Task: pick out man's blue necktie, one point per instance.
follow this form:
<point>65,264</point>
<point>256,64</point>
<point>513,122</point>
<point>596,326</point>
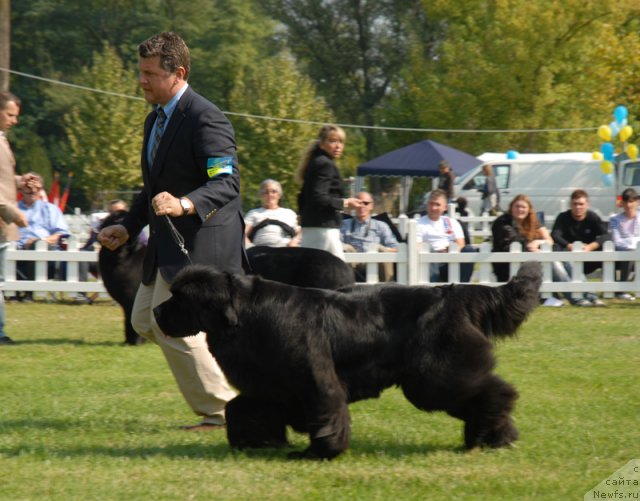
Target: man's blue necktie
<point>157,135</point>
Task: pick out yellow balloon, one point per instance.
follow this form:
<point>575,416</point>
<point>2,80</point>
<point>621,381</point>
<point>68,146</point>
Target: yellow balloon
<point>606,167</point>
<point>596,155</point>
<point>625,133</point>
<point>604,131</point>
<point>632,151</point>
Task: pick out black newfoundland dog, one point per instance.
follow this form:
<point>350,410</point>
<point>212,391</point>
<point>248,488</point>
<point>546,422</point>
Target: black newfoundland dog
<point>121,272</point>
<point>299,356</point>
<point>300,266</point>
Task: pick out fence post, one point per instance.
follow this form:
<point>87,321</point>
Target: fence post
<point>413,247</point>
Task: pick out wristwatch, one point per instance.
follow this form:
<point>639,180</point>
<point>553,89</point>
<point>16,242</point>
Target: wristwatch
<point>186,206</point>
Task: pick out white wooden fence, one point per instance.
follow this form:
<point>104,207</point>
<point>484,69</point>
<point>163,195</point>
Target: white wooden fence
<point>412,266</point>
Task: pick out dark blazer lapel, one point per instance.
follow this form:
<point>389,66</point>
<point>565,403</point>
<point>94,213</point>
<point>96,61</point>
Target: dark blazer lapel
<point>148,124</point>
<point>172,129</point>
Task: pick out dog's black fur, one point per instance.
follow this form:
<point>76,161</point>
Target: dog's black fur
<point>121,272</point>
<point>300,266</point>
<point>300,356</point>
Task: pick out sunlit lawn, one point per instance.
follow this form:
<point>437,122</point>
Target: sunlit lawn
<point>84,418</point>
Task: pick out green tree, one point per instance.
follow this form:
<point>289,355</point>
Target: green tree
<point>353,51</point>
<point>273,149</point>
<point>236,36</point>
<point>517,65</point>
<point>105,131</point>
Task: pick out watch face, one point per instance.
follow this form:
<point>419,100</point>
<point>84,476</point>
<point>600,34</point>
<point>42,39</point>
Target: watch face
<point>185,205</point>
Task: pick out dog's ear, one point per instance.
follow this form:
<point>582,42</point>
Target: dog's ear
<point>229,309</point>
<point>231,315</point>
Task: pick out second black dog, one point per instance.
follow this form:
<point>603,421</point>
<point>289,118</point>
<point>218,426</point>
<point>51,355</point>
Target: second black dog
<point>121,272</point>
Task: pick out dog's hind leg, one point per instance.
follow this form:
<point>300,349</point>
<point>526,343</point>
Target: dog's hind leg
<point>487,415</point>
<point>253,423</point>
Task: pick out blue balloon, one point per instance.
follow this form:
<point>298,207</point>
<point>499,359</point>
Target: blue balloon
<point>615,128</point>
<point>620,113</point>
<point>608,151</point>
<point>512,154</point>
<point>608,179</point>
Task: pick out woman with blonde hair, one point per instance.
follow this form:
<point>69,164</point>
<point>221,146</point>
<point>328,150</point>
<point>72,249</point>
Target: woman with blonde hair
<point>322,198</point>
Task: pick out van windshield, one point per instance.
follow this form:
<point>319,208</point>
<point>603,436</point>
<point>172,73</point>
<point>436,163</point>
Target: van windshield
<point>463,178</point>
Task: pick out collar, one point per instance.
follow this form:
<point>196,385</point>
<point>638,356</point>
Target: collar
<point>170,107</point>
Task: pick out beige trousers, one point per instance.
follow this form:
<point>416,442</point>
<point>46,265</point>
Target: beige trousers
<point>197,373</point>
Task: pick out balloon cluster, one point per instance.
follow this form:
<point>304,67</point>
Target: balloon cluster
<point>618,127</point>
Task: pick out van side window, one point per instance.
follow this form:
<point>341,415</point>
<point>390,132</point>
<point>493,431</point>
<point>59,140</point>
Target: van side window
<point>631,175</point>
<point>501,172</point>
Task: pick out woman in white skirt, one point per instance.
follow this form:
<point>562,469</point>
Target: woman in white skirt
<point>322,198</point>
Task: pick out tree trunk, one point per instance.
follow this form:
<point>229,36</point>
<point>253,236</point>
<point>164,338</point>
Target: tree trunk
<point>5,43</point>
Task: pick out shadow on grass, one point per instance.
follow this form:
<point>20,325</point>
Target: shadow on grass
<point>206,449</point>
<point>73,342</point>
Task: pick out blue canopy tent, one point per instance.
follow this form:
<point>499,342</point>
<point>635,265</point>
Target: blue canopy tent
<point>417,160</point>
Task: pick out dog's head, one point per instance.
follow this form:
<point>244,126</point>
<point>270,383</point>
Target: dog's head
<point>202,300</point>
<point>115,217</point>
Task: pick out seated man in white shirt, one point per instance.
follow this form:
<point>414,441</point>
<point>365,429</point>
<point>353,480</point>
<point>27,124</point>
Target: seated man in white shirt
<point>439,231</point>
<point>362,233</point>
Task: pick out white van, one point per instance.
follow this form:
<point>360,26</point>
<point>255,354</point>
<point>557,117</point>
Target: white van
<point>548,179</point>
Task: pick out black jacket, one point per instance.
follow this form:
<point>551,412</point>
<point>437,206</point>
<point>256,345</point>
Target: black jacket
<point>321,198</point>
<point>567,230</point>
<point>196,137</point>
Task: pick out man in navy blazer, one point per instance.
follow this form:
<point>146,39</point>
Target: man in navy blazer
<point>191,182</point>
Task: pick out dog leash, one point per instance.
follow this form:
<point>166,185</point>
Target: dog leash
<point>177,237</point>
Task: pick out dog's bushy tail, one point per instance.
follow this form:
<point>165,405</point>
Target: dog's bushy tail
<point>499,311</point>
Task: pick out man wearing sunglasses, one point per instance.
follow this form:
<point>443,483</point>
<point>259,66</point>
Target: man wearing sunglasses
<point>363,233</point>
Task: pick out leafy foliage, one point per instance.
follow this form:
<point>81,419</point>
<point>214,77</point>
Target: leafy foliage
<point>269,149</point>
<point>352,51</point>
<point>105,132</point>
<point>497,69</point>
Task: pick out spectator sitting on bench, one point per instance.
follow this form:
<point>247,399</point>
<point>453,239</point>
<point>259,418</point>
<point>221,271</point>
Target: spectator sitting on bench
<point>439,232</point>
<point>363,233</point>
<point>45,222</point>
<point>271,225</point>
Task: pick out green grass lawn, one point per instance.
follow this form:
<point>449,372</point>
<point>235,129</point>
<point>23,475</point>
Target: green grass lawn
<point>84,418</point>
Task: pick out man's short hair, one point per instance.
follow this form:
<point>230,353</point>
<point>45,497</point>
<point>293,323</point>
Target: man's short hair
<point>8,97</point>
<point>579,194</point>
<point>170,48</point>
<point>629,195</point>
<point>437,193</point>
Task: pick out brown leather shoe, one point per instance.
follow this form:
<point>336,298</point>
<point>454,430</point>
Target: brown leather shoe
<point>203,427</point>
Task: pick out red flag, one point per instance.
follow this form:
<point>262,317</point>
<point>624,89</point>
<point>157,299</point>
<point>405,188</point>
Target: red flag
<point>65,195</point>
<point>54,192</point>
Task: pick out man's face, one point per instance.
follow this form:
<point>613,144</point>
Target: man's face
<point>630,207</point>
<point>364,211</point>
<point>158,85</point>
<point>30,193</point>
<point>436,207</point>
<point>579,207</point>
<point>9,116</point>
